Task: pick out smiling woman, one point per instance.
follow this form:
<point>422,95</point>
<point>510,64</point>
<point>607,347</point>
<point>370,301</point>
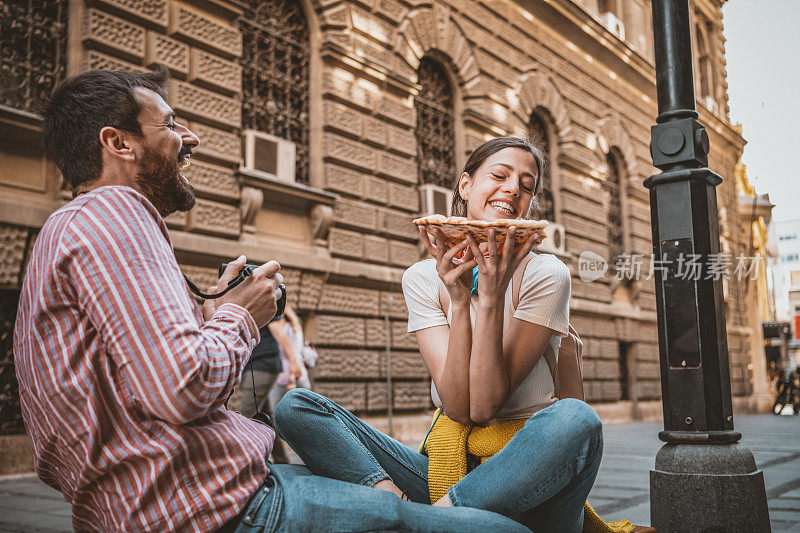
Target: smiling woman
<point>483,351</point>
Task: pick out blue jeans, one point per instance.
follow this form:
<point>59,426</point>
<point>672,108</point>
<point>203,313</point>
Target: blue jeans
<point>293,499</point>
<point>541,478</point>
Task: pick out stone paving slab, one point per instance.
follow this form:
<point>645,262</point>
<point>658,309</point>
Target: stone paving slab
<point>621,490</point>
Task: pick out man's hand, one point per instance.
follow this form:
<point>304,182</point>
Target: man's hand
<point>258,293</point>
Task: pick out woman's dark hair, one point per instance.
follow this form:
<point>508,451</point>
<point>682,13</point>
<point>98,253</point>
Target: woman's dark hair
<point>82,105</point>
<point>458,206</point>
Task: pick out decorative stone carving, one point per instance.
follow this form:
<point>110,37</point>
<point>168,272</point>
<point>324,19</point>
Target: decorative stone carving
<point>404,197</point>
<point>343,180</point>
<point>612,133</point>
<point>349,300</point>
<point>195,27</point>
<point>213,70</point>
<point>291,278</point>
<point>213,180</point>
<point>96,61</point>
<point>397,224</point>
<point>391,9</point>
<point>346,243</point>
<point>348,151</point>
<point>167,51</point>
<point>153,11</point>
<point>340,331</point>
<point>376,249</point>
<point>533,89</point>
<point>311,284</point>
<point>113,32</point>
<point>176,220</point>
<point>355,214</point>
<point>402,140</point>
<point>377,189</point>
<point>217,144</point>
<point>423,30</point>
<point>336,362</point>
<point>201,276</point>
<point>396,110</point>
<point>405,365</point>
<point>186,99</point>
<point>12,251</point>
<point>351,396</point>
<point>412,395</point>
<point>252,200</point>
<point>395,303</point>
<point>215,218</point>
<point>335,84</point>
<point>321,219</point>
<point>343,118</point>
<point>371,25</point>
<point>401,168</point>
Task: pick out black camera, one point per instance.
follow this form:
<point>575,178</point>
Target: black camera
<point>244,273</point>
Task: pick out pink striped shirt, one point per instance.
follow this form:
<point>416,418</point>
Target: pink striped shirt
<point>123,385</point>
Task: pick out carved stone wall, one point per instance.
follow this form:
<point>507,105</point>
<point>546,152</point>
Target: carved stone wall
<point>503,63</point>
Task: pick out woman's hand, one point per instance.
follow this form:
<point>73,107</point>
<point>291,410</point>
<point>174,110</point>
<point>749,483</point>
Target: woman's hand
<point>495,270</point>
<point>451,275</point>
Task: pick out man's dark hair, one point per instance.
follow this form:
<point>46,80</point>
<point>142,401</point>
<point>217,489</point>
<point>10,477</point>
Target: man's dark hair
<point>82,105</point>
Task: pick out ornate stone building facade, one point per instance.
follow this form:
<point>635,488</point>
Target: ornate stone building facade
<point>379,97</point>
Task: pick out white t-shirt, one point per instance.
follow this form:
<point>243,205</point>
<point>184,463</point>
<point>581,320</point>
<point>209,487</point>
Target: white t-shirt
<point>543,299</point>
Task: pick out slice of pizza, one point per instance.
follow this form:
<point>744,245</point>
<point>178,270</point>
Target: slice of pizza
<point>455,229</point>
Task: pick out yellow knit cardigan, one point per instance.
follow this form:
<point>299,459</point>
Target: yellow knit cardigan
<point>448,443</point>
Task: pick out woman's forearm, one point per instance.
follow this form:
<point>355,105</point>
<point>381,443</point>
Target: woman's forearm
<point>453,387</point>
<point>488,378</point>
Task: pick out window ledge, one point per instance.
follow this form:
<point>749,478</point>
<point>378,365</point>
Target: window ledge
<point>286,192</point>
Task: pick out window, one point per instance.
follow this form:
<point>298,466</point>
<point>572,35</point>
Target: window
<point>607,6</point>
<point>275,74</point>
<point>538,134</point>
<point>612,187</point>
<point>705,66</point>
<point>10,413</point>
<point>435,130</point>
<point>33,43</point>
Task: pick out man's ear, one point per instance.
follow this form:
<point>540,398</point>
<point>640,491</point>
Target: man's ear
<point>116,143</point>
<point>464,184</point>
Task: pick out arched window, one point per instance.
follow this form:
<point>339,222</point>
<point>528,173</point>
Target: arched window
<point>435,125</point>
<point>704,64</point>
<point>612,187</point>
<point>275,74</point>
<point>33,48</point>
<point>538,133</point>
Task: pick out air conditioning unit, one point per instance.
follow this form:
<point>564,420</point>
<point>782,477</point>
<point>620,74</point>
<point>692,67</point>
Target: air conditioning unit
<point>269,155</point>
<point>613,24</point>
<point>434,199</point>
<point>554,243</point>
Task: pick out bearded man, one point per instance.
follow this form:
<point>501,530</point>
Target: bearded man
<point>123,380</point>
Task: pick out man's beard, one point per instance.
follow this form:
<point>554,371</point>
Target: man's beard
<point>161,182</point>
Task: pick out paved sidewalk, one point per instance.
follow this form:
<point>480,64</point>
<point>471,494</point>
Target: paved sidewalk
<point>621,490</point>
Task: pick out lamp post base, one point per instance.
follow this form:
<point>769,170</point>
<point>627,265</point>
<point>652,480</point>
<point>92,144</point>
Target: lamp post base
<point>707,487</point>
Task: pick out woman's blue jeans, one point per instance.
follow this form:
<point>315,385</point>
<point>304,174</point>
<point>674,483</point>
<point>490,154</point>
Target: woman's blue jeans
<point>540,479</point>
<point>295,500</point>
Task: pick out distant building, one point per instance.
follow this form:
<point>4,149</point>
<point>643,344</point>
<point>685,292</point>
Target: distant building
<point>326,127</point>
<point>787,269</point>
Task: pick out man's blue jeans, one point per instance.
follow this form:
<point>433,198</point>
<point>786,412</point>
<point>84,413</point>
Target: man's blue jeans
<point>293,499</point>
<point>541,478</point>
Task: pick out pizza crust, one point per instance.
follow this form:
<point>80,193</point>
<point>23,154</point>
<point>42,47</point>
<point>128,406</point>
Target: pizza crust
<point>455,229</point>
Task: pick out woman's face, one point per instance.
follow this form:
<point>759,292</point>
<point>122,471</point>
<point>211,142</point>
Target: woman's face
<point>502,187</point>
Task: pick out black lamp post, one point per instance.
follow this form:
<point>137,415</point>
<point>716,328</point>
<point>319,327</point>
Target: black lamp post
<point>703,480</point>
